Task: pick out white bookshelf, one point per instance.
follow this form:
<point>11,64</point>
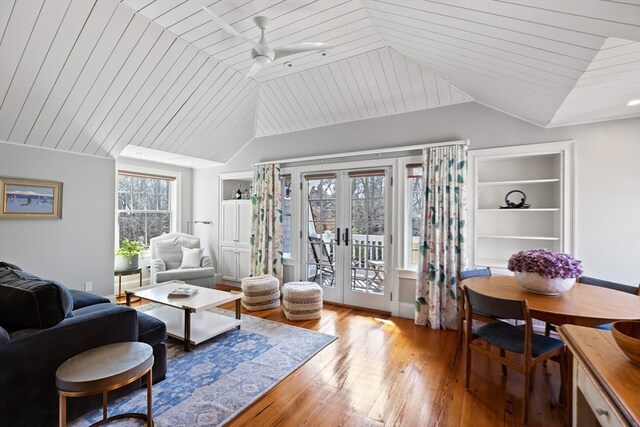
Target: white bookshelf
<point>543,173</point>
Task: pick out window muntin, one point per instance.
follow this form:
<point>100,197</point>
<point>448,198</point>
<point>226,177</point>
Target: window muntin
<point>144,206</point>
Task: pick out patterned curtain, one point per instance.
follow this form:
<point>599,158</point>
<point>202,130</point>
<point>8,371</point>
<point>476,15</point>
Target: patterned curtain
<point>266,222</point>
<point>443,251</point>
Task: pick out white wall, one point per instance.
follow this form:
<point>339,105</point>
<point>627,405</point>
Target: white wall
<point>79,247</point>
<point>607,198</point>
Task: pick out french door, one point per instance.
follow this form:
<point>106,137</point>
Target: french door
<point>345,234</point>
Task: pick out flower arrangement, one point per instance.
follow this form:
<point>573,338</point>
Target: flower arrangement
<point>546,263</point>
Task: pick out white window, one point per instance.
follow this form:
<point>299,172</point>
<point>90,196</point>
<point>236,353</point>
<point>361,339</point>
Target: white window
<point>414,198</point>
<point>146,206</point>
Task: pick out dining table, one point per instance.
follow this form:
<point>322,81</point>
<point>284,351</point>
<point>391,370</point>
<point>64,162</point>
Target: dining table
<point>583,305</point>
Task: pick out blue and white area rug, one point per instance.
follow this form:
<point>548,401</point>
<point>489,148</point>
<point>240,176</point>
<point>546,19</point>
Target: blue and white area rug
<point>222,376</point>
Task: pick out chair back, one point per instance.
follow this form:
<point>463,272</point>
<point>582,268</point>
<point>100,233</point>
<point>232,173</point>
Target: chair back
<point>320,252</point>
<point>168,248</point>
<point>606,284</point>
<point>496,307</point>
<point>479,272</point>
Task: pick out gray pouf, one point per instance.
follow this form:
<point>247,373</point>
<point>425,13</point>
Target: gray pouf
<point>260,292</point>
<point>302,300</point>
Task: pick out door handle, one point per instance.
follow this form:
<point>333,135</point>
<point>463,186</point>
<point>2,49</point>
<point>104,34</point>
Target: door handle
<point>338,236</point>
<point>346,237</point>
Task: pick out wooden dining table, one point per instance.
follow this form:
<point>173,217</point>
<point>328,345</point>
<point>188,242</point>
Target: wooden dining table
<point>583,305</point>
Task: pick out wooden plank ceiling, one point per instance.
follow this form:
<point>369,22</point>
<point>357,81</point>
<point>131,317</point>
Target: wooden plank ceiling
<point>92,77</point>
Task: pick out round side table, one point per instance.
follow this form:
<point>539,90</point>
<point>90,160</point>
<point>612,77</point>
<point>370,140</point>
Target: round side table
<point>102,369</point>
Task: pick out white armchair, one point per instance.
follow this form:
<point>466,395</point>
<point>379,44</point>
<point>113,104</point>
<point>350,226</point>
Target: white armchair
<point>168,262</point>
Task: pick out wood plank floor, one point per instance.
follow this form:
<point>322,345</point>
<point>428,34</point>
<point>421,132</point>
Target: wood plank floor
<point>385,371</point>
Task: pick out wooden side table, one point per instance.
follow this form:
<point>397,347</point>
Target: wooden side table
<point>103,369</point>
<point>120,273</point>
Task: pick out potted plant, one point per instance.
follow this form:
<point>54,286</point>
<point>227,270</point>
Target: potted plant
<point>545,272</point>
<point>127,255</point>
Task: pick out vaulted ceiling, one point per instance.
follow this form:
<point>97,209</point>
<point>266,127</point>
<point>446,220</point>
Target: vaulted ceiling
<point>96,76</point>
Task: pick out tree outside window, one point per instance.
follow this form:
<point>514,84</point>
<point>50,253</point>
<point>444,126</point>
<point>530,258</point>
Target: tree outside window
<point>144,207</point>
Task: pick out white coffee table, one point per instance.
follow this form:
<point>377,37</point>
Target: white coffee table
<point>186,317</point>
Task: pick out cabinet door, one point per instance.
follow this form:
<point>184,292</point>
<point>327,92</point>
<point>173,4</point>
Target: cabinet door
<point>243,216</point>
<point>228,263</point>
<point>243,260</point>
<point>229,228</point>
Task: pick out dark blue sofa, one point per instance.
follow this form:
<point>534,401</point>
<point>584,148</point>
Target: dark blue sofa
<point>40,329</point>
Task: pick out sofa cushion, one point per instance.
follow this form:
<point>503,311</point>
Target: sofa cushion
<point>170,250</point>
<point>4,264</point>
<point>151,330</point>
<point>83,299</point>
<point>33,303</point>
<point>4,336</point>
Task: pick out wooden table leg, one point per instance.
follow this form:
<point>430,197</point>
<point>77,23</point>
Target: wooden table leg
<point>149,400</point>
<point>63,411</point>
<point>105,400</point>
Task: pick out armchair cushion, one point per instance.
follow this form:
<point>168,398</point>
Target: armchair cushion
<point>191,257</point>
<point>170,250</point>
<point>188,275</point>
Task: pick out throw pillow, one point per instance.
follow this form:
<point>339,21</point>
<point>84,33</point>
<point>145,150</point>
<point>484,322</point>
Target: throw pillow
<point>191,257</point>
<point>33,303</point>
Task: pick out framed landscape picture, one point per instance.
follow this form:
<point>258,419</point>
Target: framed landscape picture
<point>32,199</point>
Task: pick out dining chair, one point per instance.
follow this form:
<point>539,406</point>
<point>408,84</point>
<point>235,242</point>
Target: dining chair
<point>467,274</point>
<point>610,285</point>
<point>506,337</point>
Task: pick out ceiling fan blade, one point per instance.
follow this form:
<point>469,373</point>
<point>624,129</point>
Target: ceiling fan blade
<point>254,70</point>
<point>291,49</point>
<point>220,23</point>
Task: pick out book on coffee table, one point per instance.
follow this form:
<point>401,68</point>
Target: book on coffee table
<point>182,292</point>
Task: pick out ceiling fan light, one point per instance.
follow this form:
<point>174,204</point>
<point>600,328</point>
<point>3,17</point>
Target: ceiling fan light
<point>633,102</point>
<point>261,59</point>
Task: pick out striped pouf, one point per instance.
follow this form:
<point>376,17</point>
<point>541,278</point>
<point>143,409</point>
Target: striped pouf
<point>302,300</point>
<point>260,292</point>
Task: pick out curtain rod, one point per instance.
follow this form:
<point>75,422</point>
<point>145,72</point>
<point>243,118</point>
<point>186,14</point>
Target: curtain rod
<point>364,153</point>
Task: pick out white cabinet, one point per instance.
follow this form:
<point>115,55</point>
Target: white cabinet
<point>543,173</point>
<point>235,239</point>
<point>234,263</point>
<point>236,222</point>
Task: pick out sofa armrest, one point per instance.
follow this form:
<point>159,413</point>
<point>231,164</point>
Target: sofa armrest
<point>206,261</point>
<point>157,266</point>
<point>29,362</point>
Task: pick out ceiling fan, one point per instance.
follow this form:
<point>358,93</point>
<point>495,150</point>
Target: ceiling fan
<point>262,53</point>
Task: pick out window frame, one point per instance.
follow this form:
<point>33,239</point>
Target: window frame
<point>174,195</point>
<point>407,194</point>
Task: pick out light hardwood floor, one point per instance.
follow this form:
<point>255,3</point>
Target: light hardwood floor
<point>385,371</point>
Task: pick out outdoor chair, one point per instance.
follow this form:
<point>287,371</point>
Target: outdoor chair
<point>534,348</point>
<point>323,259</point>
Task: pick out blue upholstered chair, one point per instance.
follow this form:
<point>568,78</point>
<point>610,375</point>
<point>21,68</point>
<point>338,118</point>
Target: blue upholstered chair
<point>467,274</point>
<point>508,338</point>
<point>635,290</point>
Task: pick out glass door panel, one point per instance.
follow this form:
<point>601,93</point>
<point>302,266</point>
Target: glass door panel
<point>346,237</point>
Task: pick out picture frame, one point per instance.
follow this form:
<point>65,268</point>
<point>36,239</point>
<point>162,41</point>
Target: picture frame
<point>30,199</point>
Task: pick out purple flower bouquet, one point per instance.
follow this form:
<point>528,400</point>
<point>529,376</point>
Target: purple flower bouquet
<point>544,271</point>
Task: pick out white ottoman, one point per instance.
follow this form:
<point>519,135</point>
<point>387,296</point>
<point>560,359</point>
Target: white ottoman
<point>302,300</point>
<point>260,292</point>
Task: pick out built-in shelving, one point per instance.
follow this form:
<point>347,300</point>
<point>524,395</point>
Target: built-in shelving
<point>542,173</point>
<point>518,182</point>
<point>518,237</point>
